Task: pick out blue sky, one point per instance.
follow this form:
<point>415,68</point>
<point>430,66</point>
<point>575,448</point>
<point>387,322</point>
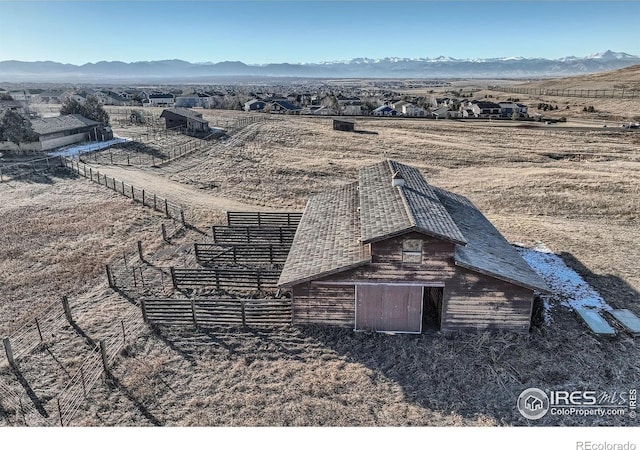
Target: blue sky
<point>263,31</point>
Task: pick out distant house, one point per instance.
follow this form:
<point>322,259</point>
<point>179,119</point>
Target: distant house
<point>187,101</point>
<point>12,105</point>
<point>21,96</point>
<point>507,109</point>
<point>486,109</point>
<point>186,120</point>
<point>392,253</point>
<point>398,105</point>
<point>160,100</point>
<point>411,110</point>
<point>355,109</point>
<point>385,110</point>
<point>54,132</point>
<point>319,110</point>
<point>254,105</point>
<point>284,107</point>
<point>445,113</point>
<point>343,125</point>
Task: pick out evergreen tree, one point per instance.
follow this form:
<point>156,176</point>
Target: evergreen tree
<point>91,109</point>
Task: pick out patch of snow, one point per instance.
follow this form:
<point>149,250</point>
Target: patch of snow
<point>565,283</point>
<point>74,150</point>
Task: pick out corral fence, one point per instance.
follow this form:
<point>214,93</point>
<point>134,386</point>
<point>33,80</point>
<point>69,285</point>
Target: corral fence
<point>132,272</point>
<point>264,219</point>
<point>241,254</point>
<point>584,93</point>
<point>204,312</point>
<point>147,198</point>
<point>237,278</point>
<point>252,235</point>
<point>32,333</point>
<point>132,153</point>
<point>97,363</point>
<point>22,169</point>
<point>243,122</point>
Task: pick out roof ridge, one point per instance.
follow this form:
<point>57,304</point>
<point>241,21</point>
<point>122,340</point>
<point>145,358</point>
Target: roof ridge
<point>405,203</point>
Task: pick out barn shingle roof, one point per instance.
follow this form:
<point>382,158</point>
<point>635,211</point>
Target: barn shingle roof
<point>388,211</point>
<point>187,113</point>
<point>487,250</point>
<point>337,226</point>
<point>325,243</point>
<point>67,122</point>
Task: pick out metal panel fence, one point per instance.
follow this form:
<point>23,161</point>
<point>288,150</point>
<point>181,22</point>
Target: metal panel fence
<point>264,219</point>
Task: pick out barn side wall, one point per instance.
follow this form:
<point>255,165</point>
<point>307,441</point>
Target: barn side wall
<point>324,305</point>
<point>473,301</point>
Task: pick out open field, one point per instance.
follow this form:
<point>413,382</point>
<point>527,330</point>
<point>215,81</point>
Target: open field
<point>577,191</point>
<point>57,234</point>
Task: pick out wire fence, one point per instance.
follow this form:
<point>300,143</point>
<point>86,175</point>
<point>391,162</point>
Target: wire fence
<point>584,93</point>
<point>146,198</point>
<point>97,363</point>
<point>19,170</point>
<point>31,334</point>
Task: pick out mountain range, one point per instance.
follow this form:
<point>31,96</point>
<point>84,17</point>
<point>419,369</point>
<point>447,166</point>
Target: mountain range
<point>393,67</point>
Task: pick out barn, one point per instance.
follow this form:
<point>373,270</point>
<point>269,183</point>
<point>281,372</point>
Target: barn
<point>190,122</point>
<point>392,253</point>
<point>343,125</point>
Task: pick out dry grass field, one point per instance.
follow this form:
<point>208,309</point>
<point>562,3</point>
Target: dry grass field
<point>577,191</point>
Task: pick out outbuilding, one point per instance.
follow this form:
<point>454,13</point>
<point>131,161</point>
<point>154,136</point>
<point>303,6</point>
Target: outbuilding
<point>343,125</point>
<point>54,132</point>
<point>392,253</point>
<point>186,120</point>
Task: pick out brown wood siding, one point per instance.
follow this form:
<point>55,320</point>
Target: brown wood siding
<point>473,301</point>
<point>322,305</point>
<point>387,266</point>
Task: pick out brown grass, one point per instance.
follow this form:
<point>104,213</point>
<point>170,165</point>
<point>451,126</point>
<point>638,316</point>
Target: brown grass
<point>576,191</point>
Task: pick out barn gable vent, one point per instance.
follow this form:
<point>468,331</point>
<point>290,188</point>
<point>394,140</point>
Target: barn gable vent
<point>397,180</point>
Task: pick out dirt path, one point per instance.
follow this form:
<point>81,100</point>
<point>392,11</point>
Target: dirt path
<point>188,196</point>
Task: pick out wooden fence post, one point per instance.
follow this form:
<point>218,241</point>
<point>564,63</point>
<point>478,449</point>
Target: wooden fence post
<point>164,232</point>
<point>173,277</point>
<point>244,315</point>
<point>60,412</point>
<point>143,197</point>
<point>8,351</point>
<point>124,333</point>
<point>105,360</point>
<point>38,328</point>
<point>110,277</point>
<point>140,251</point>
<point>84,386</point>
<point>166,208</point>
<point>144,310</point>
<point>182,217</point>
<point>193,312</point>
<point>154,203</point>
<point>67,309</point>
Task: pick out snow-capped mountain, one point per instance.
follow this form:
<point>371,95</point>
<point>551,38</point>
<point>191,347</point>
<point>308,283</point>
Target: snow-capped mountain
<point>391,67</point>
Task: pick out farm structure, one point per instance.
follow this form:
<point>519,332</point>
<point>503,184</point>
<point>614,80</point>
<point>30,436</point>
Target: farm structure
<point>392,253</point>
<point>187,120</point>
<point>343,125</point>
<point>54,132</point>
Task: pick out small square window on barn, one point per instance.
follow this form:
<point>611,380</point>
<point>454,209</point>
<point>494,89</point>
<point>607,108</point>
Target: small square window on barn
<point>412,251</point>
